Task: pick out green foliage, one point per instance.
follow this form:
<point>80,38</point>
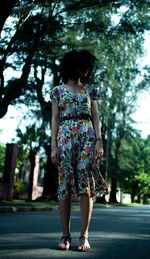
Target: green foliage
<point>42,31</point>
<point>18,186</point>
<point>135,166</point>
<point>22,155</point>
<point>33,138</point>
<point>143,183</point>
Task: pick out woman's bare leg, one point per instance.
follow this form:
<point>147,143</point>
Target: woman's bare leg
<point>65,209</point>
<point>86,206</point>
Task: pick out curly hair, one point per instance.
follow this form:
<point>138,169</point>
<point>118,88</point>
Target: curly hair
<point>78,64</point>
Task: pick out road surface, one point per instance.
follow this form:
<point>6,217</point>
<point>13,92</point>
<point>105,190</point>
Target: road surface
<point>115,233</point>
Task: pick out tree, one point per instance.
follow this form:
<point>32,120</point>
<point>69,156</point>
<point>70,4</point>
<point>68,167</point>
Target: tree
<point>51,20</point>
<point>119,94</point>
<point>45,30</point>
<point>134,165</point>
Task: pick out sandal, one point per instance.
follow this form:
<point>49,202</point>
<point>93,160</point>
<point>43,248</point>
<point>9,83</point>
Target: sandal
<point>84,242</point>
<point>65,245</point>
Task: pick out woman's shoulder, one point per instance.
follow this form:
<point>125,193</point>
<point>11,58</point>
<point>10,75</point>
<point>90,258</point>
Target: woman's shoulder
<point>56,88</point>
<point>55,93</point>
<point>94,92</point>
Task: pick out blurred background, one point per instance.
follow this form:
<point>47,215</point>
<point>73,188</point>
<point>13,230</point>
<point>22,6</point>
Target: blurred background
<point>35,35</point>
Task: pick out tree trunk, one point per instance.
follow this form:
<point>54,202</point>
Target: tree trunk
<point>18,84</point>
<point>132,197</point>
<point>5,11</point>
<point>50,179</point>
<point>112,198</point>
<point>101,200</point>
<point>32,162</point>
<point>145,199</point>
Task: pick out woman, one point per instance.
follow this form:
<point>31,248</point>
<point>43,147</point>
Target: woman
<point>76,142</point>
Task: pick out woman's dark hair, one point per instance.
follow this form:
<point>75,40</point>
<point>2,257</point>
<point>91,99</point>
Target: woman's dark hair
<point>76,63</point>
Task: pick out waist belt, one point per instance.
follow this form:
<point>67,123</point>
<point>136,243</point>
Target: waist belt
<point>77,117</point>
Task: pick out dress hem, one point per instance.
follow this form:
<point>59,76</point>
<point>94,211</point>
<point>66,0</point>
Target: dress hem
<point>99,193</point>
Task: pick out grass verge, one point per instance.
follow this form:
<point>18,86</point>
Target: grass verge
<point>53,204</point>
<point>27,203</point>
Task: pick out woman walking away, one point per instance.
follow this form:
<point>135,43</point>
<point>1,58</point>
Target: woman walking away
<point>76,142</point>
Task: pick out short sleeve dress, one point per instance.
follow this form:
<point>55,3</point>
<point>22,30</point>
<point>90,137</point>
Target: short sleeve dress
<point>77,172</point>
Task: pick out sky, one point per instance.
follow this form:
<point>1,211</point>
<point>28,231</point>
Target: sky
<point>13,119</point>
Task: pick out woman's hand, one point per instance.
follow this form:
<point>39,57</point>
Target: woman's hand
<point>98,152</point>
<point>55,156</point>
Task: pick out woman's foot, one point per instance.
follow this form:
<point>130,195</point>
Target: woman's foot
<point>84,244</point>
<point>64,243</point>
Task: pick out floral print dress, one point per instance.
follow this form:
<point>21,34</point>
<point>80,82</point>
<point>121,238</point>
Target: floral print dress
<point>77,172</point>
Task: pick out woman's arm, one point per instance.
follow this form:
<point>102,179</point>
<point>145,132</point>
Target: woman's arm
<point>96,124</point>
<point>54,130</point>
<point>95,119</point>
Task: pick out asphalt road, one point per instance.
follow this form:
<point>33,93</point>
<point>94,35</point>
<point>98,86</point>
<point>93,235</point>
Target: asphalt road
<point>115,233</point>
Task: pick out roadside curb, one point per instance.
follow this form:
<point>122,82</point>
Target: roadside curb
<point>19,208</point>
<point>7,209</point>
